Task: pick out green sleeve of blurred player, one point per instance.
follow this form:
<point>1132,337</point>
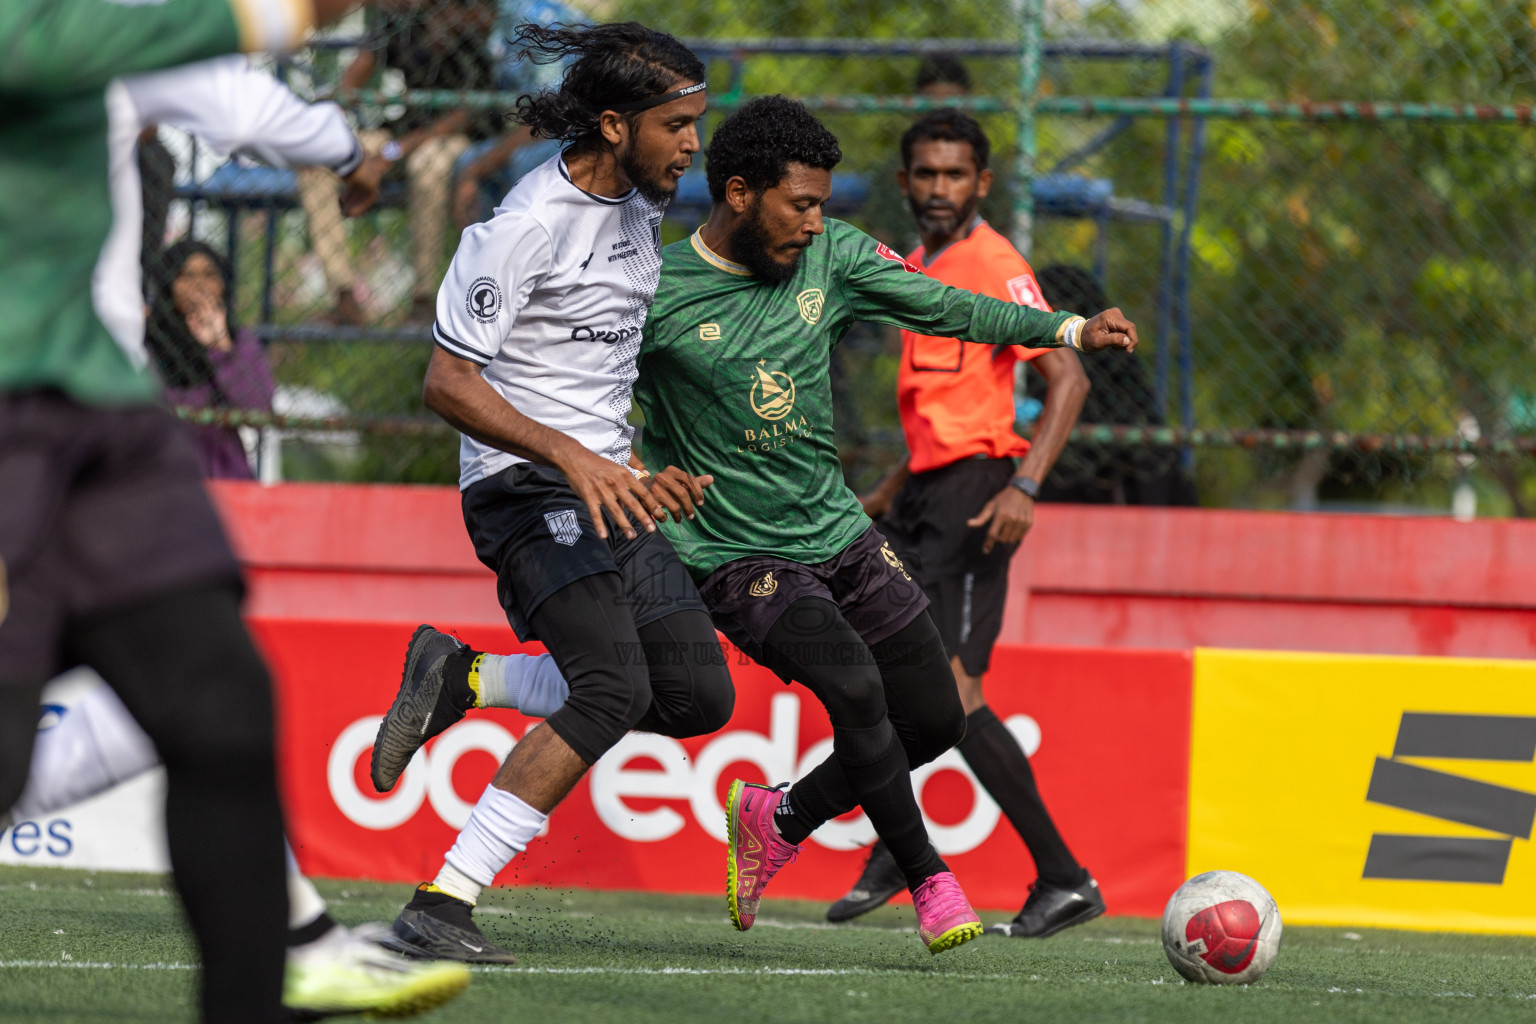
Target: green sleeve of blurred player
<point>880,286</point>
<point>57,48</point>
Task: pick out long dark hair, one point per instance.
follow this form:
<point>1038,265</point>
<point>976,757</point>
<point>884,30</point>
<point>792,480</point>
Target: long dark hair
<point>614,64</point>
<point>180,358</point>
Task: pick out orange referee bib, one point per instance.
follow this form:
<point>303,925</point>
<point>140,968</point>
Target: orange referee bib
<point>956,397</point>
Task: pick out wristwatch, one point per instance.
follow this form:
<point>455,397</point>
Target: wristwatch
<point>1029,485</point>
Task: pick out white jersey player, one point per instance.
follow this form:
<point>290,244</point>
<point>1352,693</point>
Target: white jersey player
<point>537,334</point>
<point>577,271</point>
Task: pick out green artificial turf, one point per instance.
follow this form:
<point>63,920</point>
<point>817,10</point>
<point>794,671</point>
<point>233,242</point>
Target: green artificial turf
<point>93,946</point>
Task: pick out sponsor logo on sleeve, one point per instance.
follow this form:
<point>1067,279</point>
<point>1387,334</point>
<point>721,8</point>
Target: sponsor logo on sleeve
<point>709,332</point>
<point>887,252</point>
<point>1026,292</point>
<point>810,302</point>
<point>483,301</point>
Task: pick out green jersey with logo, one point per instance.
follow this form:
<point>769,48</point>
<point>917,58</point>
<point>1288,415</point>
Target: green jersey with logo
<point>735,380</point>
<point>57,58</point>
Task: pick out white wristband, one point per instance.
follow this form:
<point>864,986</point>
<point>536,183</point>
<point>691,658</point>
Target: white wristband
<point>1072,333</point>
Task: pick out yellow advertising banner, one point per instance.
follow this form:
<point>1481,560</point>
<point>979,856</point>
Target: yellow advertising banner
<point>1364,790</point>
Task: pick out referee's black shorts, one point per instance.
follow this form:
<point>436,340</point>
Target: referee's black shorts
<point>926,526</point>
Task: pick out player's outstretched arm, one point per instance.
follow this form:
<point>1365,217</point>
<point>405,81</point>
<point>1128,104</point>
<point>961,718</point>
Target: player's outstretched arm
<point>455,391</point>
<point>884,288</point>
<point>237,109</point>
<point>70,47</point>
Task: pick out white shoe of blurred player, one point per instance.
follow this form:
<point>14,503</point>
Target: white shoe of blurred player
<point>344,972</point>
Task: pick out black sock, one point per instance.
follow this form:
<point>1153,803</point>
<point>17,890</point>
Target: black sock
<point>876,769</point>
<point>821,795</point>
<point>305,934</point>
<point>459,695</point>
<point>1003,770</point>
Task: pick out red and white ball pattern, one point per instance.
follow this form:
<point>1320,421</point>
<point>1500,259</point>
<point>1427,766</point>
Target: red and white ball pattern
<point>1221,928</point>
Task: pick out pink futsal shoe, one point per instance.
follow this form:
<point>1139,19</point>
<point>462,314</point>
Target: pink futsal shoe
<point>755,852</point>
<point>944,916</point>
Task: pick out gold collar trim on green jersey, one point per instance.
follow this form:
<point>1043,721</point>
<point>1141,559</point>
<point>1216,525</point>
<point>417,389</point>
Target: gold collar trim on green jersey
<point>715,260</point>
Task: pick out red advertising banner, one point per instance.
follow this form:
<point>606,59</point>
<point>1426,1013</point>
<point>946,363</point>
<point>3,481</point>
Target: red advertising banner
<point>1108,731</point>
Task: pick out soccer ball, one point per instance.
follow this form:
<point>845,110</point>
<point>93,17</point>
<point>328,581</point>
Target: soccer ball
<point>1221,928</point>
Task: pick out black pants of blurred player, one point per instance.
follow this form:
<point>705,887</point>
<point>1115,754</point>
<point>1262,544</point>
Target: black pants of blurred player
<point>111,556</point>
<point>927,528</point>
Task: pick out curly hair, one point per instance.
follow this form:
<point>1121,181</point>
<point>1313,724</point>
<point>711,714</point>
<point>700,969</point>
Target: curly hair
<point>947,126</point>
<point>761,140</point>
<point>614,65</point>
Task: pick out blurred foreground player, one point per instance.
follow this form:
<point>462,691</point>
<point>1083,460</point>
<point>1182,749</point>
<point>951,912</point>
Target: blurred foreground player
<point>538,326</point>
<point>958,508</point>
<point>735,383</point>
<point>234,108</point>
<point>96,745</point>
<point>110,552</point>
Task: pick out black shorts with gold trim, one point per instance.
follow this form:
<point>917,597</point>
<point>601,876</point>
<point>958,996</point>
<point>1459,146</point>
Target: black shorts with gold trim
<point>866,580</point>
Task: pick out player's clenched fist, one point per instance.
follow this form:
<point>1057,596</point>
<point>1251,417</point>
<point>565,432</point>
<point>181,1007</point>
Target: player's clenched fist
<point>1110,329</point>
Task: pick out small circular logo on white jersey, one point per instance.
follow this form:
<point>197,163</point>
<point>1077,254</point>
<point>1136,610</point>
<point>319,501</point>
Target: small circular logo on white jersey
<point>483,301</point>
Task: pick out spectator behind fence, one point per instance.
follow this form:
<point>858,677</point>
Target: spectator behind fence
<point>203,364</point>
<point>942,76</point>
<point>1120,394</point>
<point>490,169</point>
<point>444,47</point>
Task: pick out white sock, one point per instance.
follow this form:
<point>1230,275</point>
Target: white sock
<point>305,904</point>
<point>499,828</point>
<point>530,683</point>
<point>96,745</point>
<point>457,884</point>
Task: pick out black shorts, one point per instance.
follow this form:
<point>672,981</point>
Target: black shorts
<point>926,525</point>
<point>531,529</point>
<point>866,580</point>
<point>100,508</point>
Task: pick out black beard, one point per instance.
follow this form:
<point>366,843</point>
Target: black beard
<point>659,189</point>
<point>966,213</point>
<point>749,247</point>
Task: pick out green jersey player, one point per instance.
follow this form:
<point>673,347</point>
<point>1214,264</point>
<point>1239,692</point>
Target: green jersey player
<point>735,383</point>
<point>110,552</point>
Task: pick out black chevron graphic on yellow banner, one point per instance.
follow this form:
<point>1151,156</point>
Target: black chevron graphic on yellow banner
<point>1509,813</point>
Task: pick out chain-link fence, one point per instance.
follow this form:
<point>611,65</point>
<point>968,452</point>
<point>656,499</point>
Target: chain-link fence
<point>1317,213</point>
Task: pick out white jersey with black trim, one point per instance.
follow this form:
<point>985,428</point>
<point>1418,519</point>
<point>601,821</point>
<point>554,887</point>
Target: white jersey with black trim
<point>549,297</point>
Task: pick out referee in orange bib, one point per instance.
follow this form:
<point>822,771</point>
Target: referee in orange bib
<point>958,509</point>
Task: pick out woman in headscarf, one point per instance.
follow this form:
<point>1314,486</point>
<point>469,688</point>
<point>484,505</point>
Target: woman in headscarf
<point>202,361</point>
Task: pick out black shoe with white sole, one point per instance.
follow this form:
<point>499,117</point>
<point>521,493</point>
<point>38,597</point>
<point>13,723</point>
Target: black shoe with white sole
<point>1050,908</point>
<point>881,880</point>
<point>435,926</point>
